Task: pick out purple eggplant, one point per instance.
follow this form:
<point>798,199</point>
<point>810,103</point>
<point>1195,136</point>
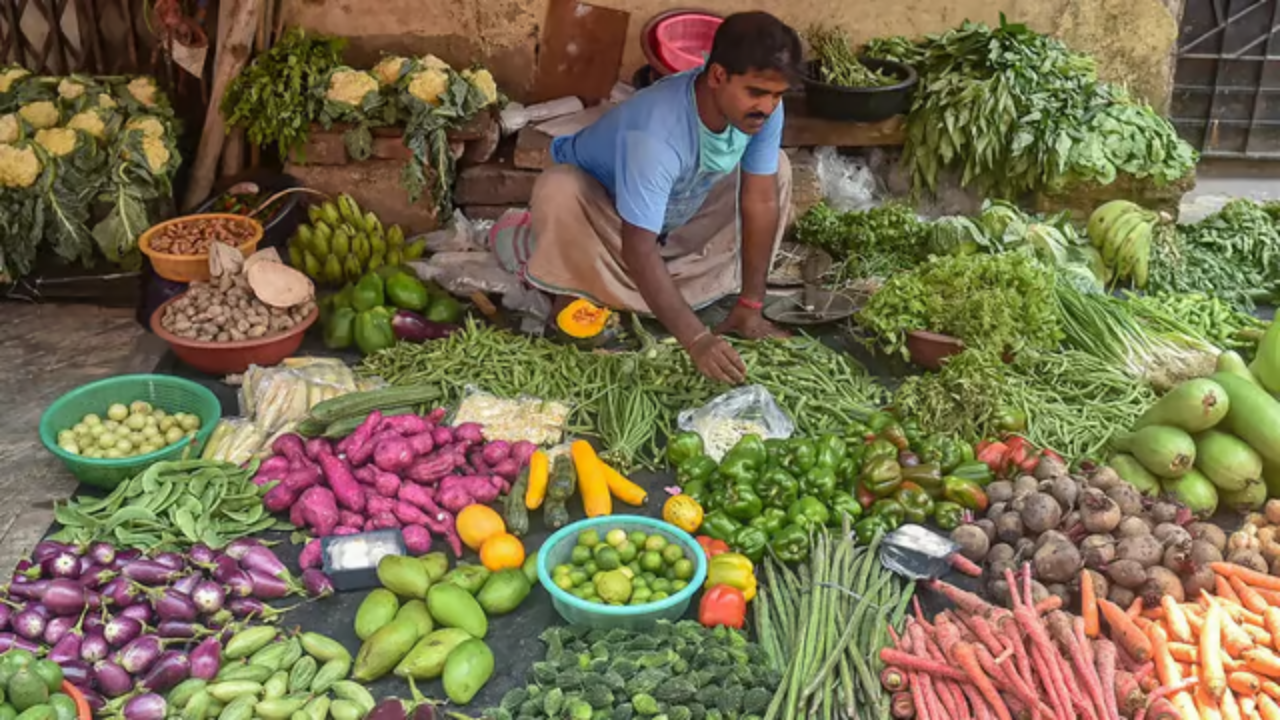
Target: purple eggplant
<point>148,706</point>
<point>180,629</point>
<point>93,621</point>
<point>93,600</point>
<point>170,560</point>
<point>201,554</point>
<point>38,609</point>
<point>224,565</point>
<point>29,624</point>
<point>65,597</point>
<point>85,562</point>
<point>139,611</point>
<point>121,592</point>
<point>8,641</point>
<point>239,584</point>
<point>389,709</point>
<point>61,565</point>
<point>95,576</point>
<point>67,648</point>
<point>264,561</point>
<point>268,587</point>
<point>111,679</point>
<point>33,590</point>
<point>74,671</point>
<point>94,647</point>
<point>57,628</point>
<point>186,583</point>
<point>46,549</point>
<point>424,711</point>
<point>6,614</point>
<point>318,584</point>
<point>102,553</point>
<point>122,630</point>
<point>149,572</point>
<point>412,327</point>
<point>240,547</point>
<point>126,556</point>
<point>96,702</point>
<point>208,597</point>
<point>172,668</point>
<point>206,659</point>
<point>173,605</point>
<point>138,656</point>
<point>244,607</point>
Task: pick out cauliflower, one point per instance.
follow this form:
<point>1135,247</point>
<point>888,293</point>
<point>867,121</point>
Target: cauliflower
<point>10,130</point>
<point>429,85</point>
<point>19,166</point>
<point>150,126</point>
<point>350,87</point>
<point>483,81</point>
<point>389,69</point>
<point>431,62</point>
<point>69,89</point>
<point>58,141</point>
<point>157,153</point>
<point>8,77</point>
<point>143,89</point>
<point>90,122</point>
<point>106,102</point>
<point>41,114</point>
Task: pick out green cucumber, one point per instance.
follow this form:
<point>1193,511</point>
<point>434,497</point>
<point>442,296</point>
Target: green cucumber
<point>1254,416</point>
<point>362,403</point>
<point>1167,452</point>
<point>1229,463</point>
<point>1193,406</point>
<point>1132,472</point>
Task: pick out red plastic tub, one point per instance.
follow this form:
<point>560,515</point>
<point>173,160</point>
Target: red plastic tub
<point>681,41</point>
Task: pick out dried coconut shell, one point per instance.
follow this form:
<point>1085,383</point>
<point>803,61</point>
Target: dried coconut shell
<point>280,286</point>
<point>224,260</point>
<point>265,255</point>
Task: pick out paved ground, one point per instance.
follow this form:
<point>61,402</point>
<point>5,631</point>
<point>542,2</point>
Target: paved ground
<point>45,351</point>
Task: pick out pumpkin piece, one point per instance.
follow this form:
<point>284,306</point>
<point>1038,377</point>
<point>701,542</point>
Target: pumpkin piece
<point>582,319</point>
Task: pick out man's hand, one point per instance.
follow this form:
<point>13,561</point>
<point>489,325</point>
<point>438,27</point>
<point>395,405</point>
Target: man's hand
<point>716,359</point>
<point>750,324</point>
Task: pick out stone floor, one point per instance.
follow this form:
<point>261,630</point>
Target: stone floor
<point>45,351</point>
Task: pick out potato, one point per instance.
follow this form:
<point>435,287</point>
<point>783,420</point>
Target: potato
<point>1210,532</point>
<point>1127,573</point>
<point>1249,559</point>
<point>1057,561</point>
<point>1272,511</point>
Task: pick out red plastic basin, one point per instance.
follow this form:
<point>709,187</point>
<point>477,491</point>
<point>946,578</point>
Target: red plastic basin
<point>682,42</point>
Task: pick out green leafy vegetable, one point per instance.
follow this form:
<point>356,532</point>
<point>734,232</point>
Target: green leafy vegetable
<point>1233,254</point>
<point>838,63</point>
<point>873,243</point>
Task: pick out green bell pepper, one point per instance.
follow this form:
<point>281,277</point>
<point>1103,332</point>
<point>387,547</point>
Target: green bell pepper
<point>868,528</point>
<point>890,511</point>
<point>830,451</point>
<point>916,504</point>
<point>881,476</point>
<point>808,511</point>
<point>342,298</point>
<point>751,541</point>
<point>927,476</point>
<point>947,515</point>
<point>750,448</point>
<point>742,503</point>
<point>775,452</point>
<point>771,520</point>
<point>373,330</point>
<point>895,435</point>
<point>684,447</point>
<point>791,544</point>
<point>965,493</point>
<point>879,420</point>
<point>340,328</point>
<point>879,448</point>
<point>801,455</point>
<point>696,469</point>
<point>778,488</point>
<point>819,482</point>
<point>740,470</point>
<point>1011,420</point>
<point>847,473</point>
<point>856,434</point>
<point>973,470</point>
<point>368,293</point>
<point>406,292</point>
<point>717,525</point>
<point>911,430</point>
<point>842,503</point>
<point>697,489</point>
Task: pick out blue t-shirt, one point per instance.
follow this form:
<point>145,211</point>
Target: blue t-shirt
<point>645,153</point>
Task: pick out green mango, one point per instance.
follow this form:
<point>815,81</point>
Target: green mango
<point>378,609</point>
<point>369,293</point>
<point>466,670</point>
<point>452,606</point>
<point>388,646</point>
<point>406,292</point>
<point>468,577</point>
<point>504,591</point>
<point>427,658</point>
<point>444,310</point>
<point>404,576</point>
<point>437,564</point>
<point>416,610</point>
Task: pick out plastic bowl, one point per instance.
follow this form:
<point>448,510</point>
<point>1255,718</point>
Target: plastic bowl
<point>929,349</point>
<point>576,611</point>
<point>191,268</point>
<point>171,394</point>
<point>682,42</point>
<point>869,104</point>
<point>83,711</point>
<point>218,358</point>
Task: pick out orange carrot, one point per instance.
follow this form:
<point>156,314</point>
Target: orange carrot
<point>964,656</point>
<point>1048,605</point>
<point>1125,632</point>
<point>1248,596</point>
<point>1175,619</point>
<point>1270,687</point>
<point>1230,708</point>
<point>1213,679</point>
<point>1244,683</point>
<point>1206,707</point>
<point>1271,596</point>
<point>1089,605</point>
<point>1263,662</point>
<point>1182,652</point>
<point>1267,708</point>
<point>1236,638</point>
<point>1249,708</point>
<point>1135,608</point>
<point>1167,671</point>
<point>1153,613</point>
<point>920,663</point>
<point>1251,577</point>
<point>1184,702</point>
<point>1222,588</point>
<point>1271,621</point>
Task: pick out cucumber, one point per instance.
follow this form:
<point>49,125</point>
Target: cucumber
<point>1193,406</point>
<point>1229,463</point>
<point>362,403</point>
<point>1266,363</point>
<point>1132,472</point>
<point>1167,452</point>
<point>1254,416</point>
<point>1231,362</point>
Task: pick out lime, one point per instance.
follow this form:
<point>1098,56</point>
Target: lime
<point>678,585</point>
<point>49,671</point>
<point>581,554</point>
<point>640,595</point>
<point>581,592</point>
<point>627,551</point>
<point>597,601</point>
<point>20,658</point>
<point>577,577</point>
<point>588,590</point>
<point>627,571</point>
<point>638,582</point>
<point>683,569</point>
<point>590,568</point>
<point>607,557</point>
<point>7,712</point>
<point>660,585</point>
<point>672,553</point>
<point>26,690</point>
<point>669,572</point>
<point>597,574</point>
<point>564,582</point>
<point>616,537</point>
<point>655,542</point>
<point>635,568</point>
<point>651,561</point>
<point>561,570</point>
<point>637,538</point>
<point>649,577</point>
<point>657,596</point>
<point>64,708</point>
<point>614,586</point>
<point>589,538</point>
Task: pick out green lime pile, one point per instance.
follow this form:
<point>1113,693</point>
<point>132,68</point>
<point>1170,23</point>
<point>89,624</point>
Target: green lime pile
<point>31,689</point>
<point>128,430</point>
<point>624,568</point>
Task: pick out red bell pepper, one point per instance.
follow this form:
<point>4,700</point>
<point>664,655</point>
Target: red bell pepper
<point>711,547</point>
<point>993,453</point>
<point>723,605</point>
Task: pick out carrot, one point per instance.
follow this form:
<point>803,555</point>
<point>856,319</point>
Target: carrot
<point>1089,605</point>
<point>917,696</point>
<point>1249,708</point>
<point>1184,703</point>
<point>1166,669</point>
<point>1153,613</point>
<point>1270,687</point>
<point>1009,629</point>
<point>925,666</point>
<point>1230,708</point>
<point>1236,638</point>
<point>1128,696</point>
<point>1105,660</point>
<point>1271,621</point>
<point>1041,645</point>
<point>1267,708</point>
<point>982,630</point>
<point>1162,709</point>
<point>964,565</point>
<point>1183,652</point>
<point>1211,673</point>
<point>981,710</point>
<point>965,601</point>
<point>964,655</point>
<point>1206,707</point>
<point>1271,596</point>
<point>1263,662</point>
<point>1048,605</point>
<point>1135,608</point>
<point>1251,577</point>
<point>1124,632</point>
<point>1175,619</point>
<point>1061,631</point>
<point>1017,686</point>
<point>1222,588</point>
<point>1248,596</point>
<point>1244,683</point>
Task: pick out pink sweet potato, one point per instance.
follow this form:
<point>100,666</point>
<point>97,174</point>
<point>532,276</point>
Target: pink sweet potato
<point>508,469</point>
<point>476,463</point>
<point>409,514</point>
<point>361,454</point>
<point>310,556</point>
<point>295,513</point>
<point>386,484</point>
<point>346,530</point>
<point>431,468</point>
<point>273,468</point>
<point>279,499</point>
<point>469,433</point>
<point>417,495</point>
<point>346,517</point>
<point>442,436</point>
<point>362,434</point>
<point>290,446</point>
<point>416,539</point>
<point>319,510</point>
<point>435,417</point>
<point>422,443</point>
<point>343,483</point>
<point>302,477</point>
<point>380,504</point>
<point>459,491</point>
<point>405,424</point>
<point>318,447</point>
<point>393,454</point>
<point>496,451</point>
<point>382,521</point>
<point>521,451</point>
<point>365,475</point>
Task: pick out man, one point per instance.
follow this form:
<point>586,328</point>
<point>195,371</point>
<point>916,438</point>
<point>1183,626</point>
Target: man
<point>677,197</point>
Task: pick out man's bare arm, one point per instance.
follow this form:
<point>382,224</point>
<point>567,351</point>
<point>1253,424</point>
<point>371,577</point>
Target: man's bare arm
<point>643,262</point>
<point>760,218</point>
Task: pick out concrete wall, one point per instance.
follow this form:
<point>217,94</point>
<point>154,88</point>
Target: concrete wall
<point>1133,40</point>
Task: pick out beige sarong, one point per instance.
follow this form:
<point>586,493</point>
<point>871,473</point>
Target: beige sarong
<point>577,238</point>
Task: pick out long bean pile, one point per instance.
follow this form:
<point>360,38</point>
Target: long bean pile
<point>629,399</point>
<point>1197,314</point>
<point>823,627</point>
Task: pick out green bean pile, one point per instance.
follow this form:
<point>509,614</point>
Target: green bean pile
<point>823,628</point>
<point>1214,320</point>
<point>629,400</point>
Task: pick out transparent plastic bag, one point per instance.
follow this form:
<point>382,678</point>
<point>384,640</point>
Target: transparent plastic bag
<point>541,422</point>
<point>463,273</point>
<point>847,183</point>
<point>235,440</point>
<point>461,235</point>
<point>748,410</point>
<point>916,552</point>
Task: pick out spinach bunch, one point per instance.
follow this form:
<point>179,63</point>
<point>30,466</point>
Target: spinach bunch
<point>873,243</point>
<point>1233,254</point>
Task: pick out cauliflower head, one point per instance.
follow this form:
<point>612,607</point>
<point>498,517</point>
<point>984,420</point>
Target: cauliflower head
<point>10,76</point>
<point>89,122</point>
<point>10,130</point>
<point>69,89</point>
<point>144,90</point>
<point>19,166</point>
<point>350,86</point>
<point>429,85</point>
<point>150,126</point>
<point>106,102</point>
<point>431,62</point>
<point>58,141</point>
<point>157,153</point>
<point>389,69</point>
<point>40,114</point>
<point>482,80</point>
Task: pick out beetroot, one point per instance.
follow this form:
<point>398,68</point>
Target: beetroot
<point>393,454</point>
<point>344,485</point>
<point>416,538</point>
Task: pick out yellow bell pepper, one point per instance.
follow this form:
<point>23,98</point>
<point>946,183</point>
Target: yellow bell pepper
<point>733,569</point>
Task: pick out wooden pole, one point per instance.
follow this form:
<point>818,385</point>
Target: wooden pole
<point>234,48</point>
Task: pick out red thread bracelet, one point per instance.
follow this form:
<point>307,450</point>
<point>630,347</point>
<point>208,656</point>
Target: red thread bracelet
<point>749,303</point>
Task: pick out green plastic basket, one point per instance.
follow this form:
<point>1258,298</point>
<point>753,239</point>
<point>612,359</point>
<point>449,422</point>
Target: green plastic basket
<point>171,394</point>
<point>576,611</point>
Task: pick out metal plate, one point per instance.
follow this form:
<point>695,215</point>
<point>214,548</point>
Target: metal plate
<point>826,307</point>
<point>789,265</point>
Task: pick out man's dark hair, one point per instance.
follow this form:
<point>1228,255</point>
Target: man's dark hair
<point>756,41</point>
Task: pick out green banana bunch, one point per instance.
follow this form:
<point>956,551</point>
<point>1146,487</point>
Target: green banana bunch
<point>342,242</point>
<point>1122,231</point>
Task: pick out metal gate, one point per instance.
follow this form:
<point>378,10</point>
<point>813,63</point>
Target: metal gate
<point>1226,93</point>
<point>60,37</point>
